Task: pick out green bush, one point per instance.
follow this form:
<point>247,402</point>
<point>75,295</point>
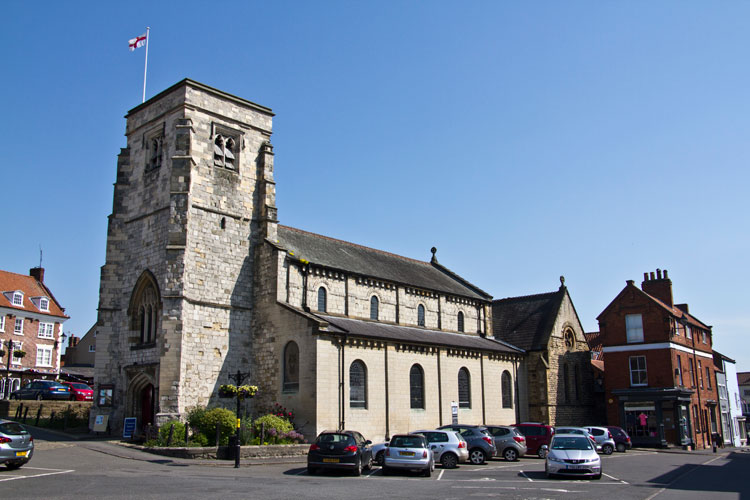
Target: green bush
<point>204,422</point>
<point>273,426</point>
<point>178,436</point>
<point>198,440</point>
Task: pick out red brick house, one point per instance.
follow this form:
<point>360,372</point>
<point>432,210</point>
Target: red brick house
<point>30,330</point>
<point>659,380</point>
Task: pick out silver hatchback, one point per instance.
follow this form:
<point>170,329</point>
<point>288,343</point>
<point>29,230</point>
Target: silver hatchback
<point>448,447</point>
<point>603,438</point>
<point>410,452</point>
<point>16,444</point>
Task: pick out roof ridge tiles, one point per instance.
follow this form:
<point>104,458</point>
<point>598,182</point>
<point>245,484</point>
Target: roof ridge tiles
<point>383,252</point>
<point>521,297</point>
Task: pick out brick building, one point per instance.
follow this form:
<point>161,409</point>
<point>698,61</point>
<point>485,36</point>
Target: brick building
<point>558,365</point>
<point>30,330</point>
<point>659,379</point>
<point>201,281</point>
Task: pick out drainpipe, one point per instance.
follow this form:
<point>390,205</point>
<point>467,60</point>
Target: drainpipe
<point>342,394</point>
<point>515,383</point>
<point>440,389</point>
<point>387,409</point>
<point>304,270</point>
<point>481,373</point>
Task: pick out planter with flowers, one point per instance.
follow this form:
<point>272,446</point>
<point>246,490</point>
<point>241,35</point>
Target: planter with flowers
<point>19,354</point>
<point>242,392</point>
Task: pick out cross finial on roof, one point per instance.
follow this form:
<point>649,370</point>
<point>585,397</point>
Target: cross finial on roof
<point>562,281</point>
<point>434,251</point>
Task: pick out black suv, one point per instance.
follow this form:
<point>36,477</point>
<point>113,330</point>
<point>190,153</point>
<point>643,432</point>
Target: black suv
<point>478,439</point>
<point>347,450</point>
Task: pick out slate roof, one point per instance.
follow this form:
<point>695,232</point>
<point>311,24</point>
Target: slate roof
<point>414,335</point>
<point>526,321</point>
<point>357,259</point>
<point>12,282</point>
<point>594,340</point>
<point>743,378</point>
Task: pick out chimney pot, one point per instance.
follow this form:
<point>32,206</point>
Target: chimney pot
<point>658,273</point>
<point>645,276</point>
<point>652,275</point>
<point>665,275</point>
<point>630,282</point>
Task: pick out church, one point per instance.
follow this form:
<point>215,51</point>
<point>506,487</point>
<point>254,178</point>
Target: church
<point>201,281</point>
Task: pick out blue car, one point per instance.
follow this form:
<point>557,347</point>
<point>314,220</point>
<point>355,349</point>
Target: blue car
<point>42,389</point>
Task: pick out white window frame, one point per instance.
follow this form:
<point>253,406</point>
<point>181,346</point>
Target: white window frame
<point>2,323</point>
<point>17,296</point>
<point>46,330</point>
<point>703,335</point>
<point>688,332</point>
<point>43,304</point>
<point>639,370</point>
<point>18,325</point>
<point>634,328</point>
<point>17,346</point>
<point>46,355</point>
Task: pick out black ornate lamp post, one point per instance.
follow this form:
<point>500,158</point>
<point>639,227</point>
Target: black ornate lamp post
<point>7,370</point>
<point>238,378</point>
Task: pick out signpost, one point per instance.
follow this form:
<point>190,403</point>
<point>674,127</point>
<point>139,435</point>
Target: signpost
<point>454,412</point>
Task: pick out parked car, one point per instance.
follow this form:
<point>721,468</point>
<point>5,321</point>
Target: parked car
<point>479,439</point>
<point>339,450</point>
<point>537,435</point>
<point>42,389</point>
<point>509,441</point>
<point>604,439</point>
<point>409,452</point>
<point>572,455</point>
<point>448,447</point>
<point>16,444</point>
<point>575,430</point>
<point>79,391</point>
<point>622,440</point>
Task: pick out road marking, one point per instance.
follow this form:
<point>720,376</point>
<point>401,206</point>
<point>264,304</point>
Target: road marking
<point>615,478</point>
<point>514,488</point>
<point>440,476</point>
<point>37,475</point>
<point>683,475</point>
<point>527,477</point>
<point>497,467</point>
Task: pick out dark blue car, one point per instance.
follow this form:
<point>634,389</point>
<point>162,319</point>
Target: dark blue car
<point>42,389</point>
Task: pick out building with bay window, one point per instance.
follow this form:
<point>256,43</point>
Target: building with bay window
<point>660,381</point>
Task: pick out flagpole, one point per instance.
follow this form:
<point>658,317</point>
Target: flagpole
<point>145,66</point>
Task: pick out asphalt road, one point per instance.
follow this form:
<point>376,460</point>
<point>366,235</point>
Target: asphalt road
<point>97,469</point>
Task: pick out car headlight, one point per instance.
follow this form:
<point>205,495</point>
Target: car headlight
<point>555,459</point>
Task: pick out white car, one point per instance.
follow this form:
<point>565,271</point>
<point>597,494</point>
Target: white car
<point>572,455</point>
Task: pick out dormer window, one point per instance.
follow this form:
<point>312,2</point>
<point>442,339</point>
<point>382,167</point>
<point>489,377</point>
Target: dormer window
<point>43,304</point>
<point>18,299</point>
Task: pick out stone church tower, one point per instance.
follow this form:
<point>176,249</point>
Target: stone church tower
<point>194,189</point>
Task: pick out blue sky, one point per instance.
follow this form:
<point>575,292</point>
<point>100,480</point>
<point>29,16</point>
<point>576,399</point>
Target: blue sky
<point>525,140</point>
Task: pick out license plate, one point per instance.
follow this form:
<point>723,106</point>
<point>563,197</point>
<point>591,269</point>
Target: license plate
<point>22,453</point>
<point>406,453</point>
<point>576,467</point>
<point>331,460</point>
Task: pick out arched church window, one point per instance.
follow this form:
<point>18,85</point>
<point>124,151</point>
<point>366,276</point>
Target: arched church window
<point>507,389</point>
<point>322,299</point>
<point>374,304</point>
<point>420,315</point>
<point>460,321</point>
<point>416,387</point>
<point>464,388</point>
<point>358,385</point>
<point>291,367</point>
<point>145,307</point>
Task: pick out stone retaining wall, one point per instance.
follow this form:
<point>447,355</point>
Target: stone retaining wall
<point>226,453</point>
<point>8,408</point>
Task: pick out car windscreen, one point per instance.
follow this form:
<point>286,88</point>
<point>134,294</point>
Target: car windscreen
<point>336,439</point>
<point>82,387</point>
<point>407,442</point>
<point>12,429</point>
<point>571,443</point>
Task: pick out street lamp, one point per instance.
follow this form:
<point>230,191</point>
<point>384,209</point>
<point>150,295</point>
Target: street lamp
<point>60,340</point>
<point>7,370</point>
<point>238,378</point>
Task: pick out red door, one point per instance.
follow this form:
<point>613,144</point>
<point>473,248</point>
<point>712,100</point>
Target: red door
<point>147,405</point>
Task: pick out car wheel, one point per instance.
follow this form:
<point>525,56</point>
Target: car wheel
<point>621,447</point>
<point>14,465</point>
<point>39,397</point>
<point>598,476</point>
<point>607,449</point>
<point>368,465</point>
<point>476,456</point>
<point>449,461</point>
<point>358,468</point>
<point>380,458</point>
<point>427,472</point>
<point>542,453</point>
<point>311,470</point>
<point>510,454</point>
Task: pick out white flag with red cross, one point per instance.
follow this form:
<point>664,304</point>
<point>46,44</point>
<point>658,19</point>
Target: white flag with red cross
<point>136,42</point>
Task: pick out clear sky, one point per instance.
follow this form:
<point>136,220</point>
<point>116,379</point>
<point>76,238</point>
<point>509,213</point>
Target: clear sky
<point>525,140</point>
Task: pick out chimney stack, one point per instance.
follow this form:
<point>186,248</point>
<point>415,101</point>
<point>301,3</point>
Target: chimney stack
<point>659,287</point>
<point>37,273</point>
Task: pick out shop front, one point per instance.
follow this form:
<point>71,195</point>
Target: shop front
<point>655,417</point>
